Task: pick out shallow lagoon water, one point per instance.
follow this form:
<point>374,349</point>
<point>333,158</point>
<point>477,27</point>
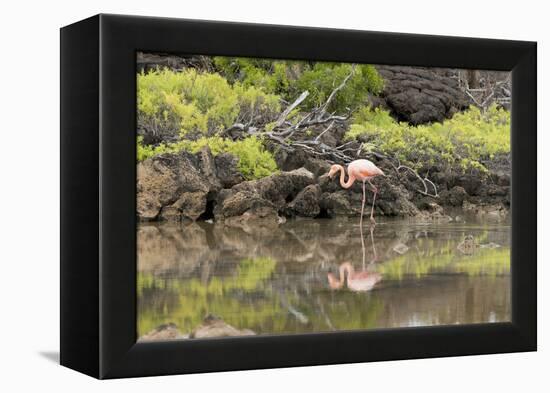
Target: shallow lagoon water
<point>275,280</point>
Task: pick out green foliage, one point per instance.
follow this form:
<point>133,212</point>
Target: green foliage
<point>290,78</point>
<point>255,161</point>
<point>323,78</point>
<point>268,75</point>
<point>146,151</point>
<point>189,103</point>
<point>465,140</point>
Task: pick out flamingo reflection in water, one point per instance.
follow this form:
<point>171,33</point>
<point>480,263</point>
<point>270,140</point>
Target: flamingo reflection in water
<point>356,281</point>
<point>360,281</point>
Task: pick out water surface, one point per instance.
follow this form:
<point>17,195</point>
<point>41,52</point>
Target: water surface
<point>275,281</point>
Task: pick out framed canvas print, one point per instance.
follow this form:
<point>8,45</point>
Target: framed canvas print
<point>239,196</point>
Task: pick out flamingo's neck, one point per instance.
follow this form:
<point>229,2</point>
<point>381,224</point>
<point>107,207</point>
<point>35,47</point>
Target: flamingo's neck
<point>345,268</point>
<point>343,183</point>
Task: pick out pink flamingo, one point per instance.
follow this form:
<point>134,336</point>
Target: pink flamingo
<point>362,170</point>
<point>356,281</point>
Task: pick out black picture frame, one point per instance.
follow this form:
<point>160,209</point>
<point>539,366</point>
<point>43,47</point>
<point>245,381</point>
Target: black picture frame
<point>98,196</point>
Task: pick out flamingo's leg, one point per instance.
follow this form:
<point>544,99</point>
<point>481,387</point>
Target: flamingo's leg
<point>363,206</point>
<point>361,223</point>
<point>375,191</point>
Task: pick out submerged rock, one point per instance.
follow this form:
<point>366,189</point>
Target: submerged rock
<point>468,245</point>
<point>492,211</point>
<point>168,331</point>
<point>400,248</point>
<point>213,326</point>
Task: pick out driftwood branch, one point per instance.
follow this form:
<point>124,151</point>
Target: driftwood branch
<point>313,118</point>
<point>425,181</point>
<point>325,131</point>
<point>290,108</point>
<point>487,94</point>
<point>323,108</point>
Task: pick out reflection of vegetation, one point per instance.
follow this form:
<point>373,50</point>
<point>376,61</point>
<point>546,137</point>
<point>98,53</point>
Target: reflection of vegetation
<point>445,257</point>
<point>465,139</point>
<point>276,294</point>
<point>196,299</point>
<point>251,272</point>
<point>490,262</point>
<point>357,311</point>
<point>244,301</point>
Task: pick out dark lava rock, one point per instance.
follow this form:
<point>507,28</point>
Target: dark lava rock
<point>289,161</point>
<point>472,184</point>
<point>263,198</point>
<point>146,62</point>
<point>421,95</point>
<point>306,203</point>
<point>177,186</point>
<point>163,179</point>
<point>227,170</point>
<point>453,197</point>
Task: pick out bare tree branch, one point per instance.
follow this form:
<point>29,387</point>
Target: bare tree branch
<point>289,108</point>
<point>322,133</point>
<point>323,109</point>
<point>424,181</point>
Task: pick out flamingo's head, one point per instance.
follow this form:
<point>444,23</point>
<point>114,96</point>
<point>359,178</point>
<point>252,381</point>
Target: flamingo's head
<point>334,170</point>
<point>333,282</point>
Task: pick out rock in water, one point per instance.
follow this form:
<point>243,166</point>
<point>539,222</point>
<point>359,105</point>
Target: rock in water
<point>163,179</point>
<point>261,199</point>
<point>401,248</point>
<point>176,186</point>
<point>213,326</point>
<point>168,331</point>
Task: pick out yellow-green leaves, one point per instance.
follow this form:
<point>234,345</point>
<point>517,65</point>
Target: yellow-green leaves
<point>255,161</point>
<point>199,104</point>
<point>466,139</point>
<point>289,79</point>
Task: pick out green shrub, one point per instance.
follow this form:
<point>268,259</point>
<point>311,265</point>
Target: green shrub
<point>193,104</point>
<point>466,139</point>
<point>255,161</point>
<point>268,75</point>
<point>290,78</point>
<point>323,78</point>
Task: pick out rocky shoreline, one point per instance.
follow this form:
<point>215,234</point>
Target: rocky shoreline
<point>190,187</point>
